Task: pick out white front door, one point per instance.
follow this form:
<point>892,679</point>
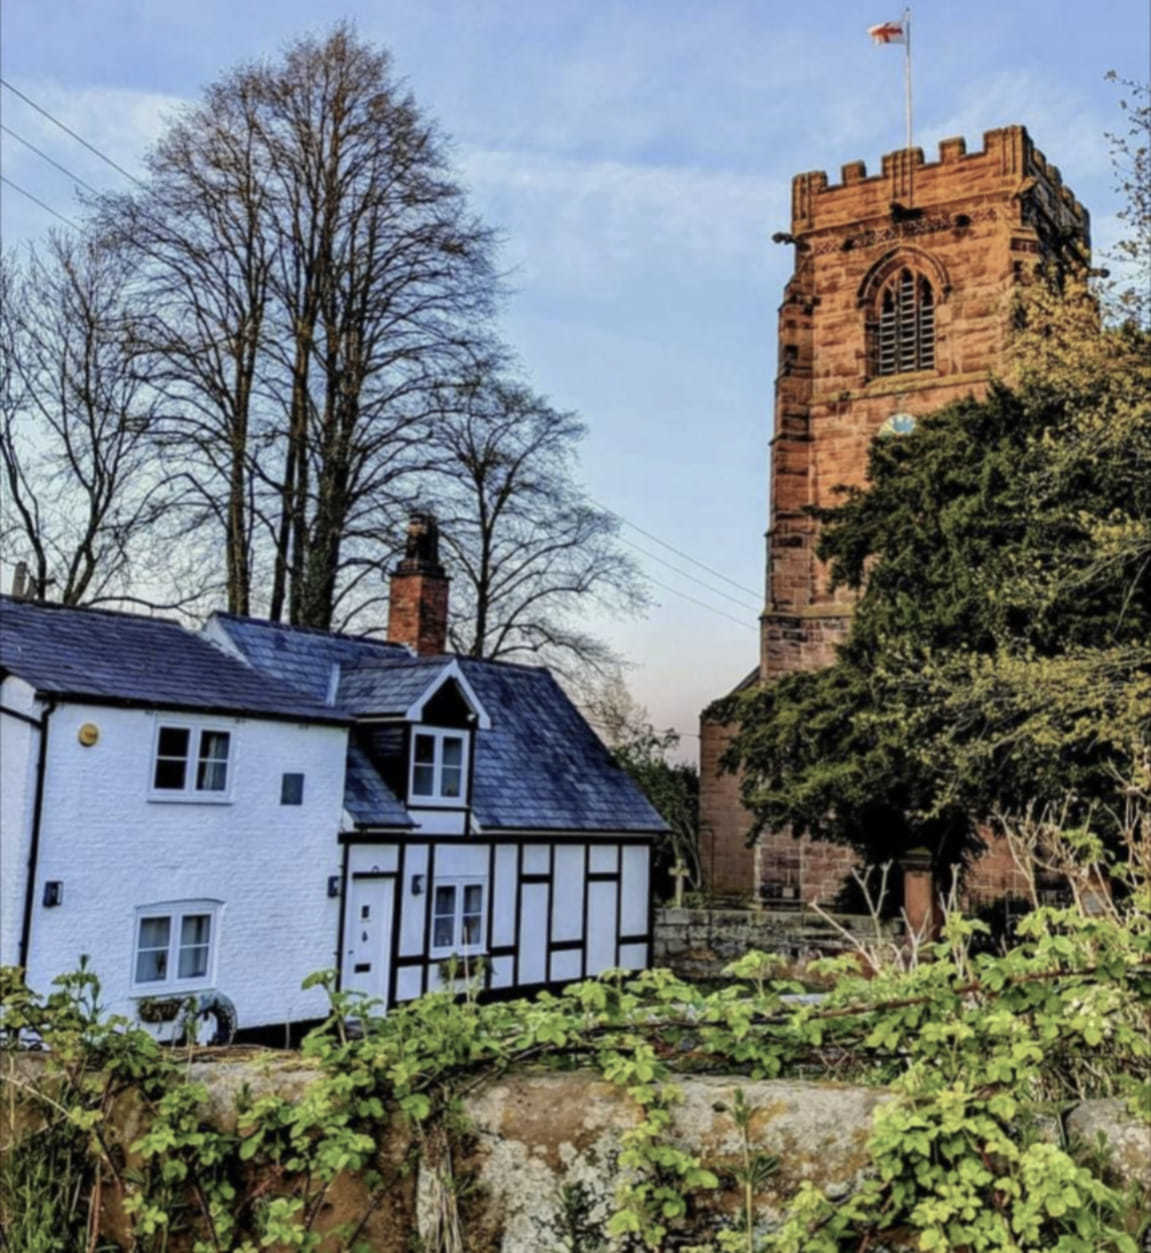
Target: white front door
<point>368,935</point>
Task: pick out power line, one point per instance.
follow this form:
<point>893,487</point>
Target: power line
<point>735,600</point>
<point>69,131</point>
<point>74,177</point>
<point>678,551</point>
<point>702,604</point>
<point>36,200</point>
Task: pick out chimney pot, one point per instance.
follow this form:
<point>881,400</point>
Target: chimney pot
<point>20,588</point>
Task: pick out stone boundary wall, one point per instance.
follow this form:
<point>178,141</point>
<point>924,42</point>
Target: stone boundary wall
<point>539,1152</point>
<point>698,943</point>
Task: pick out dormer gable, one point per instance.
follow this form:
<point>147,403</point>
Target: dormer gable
<point>415,691</point>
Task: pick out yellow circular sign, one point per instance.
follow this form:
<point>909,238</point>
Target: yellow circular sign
<point>88,734</point>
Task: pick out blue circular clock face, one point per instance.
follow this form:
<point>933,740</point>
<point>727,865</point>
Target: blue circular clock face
<point>898,424</point>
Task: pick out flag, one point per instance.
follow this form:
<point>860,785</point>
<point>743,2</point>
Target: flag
<point>888,33</point>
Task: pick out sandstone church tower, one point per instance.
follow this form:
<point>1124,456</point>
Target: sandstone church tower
<point>899,304</point>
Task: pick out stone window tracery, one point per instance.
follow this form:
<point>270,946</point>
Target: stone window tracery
<point>903,326</point>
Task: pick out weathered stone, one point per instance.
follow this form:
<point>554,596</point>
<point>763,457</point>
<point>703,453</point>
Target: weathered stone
<point>1129,1138</point>
<point>547,1149</point>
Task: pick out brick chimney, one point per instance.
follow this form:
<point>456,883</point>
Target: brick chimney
<point>418,600</point>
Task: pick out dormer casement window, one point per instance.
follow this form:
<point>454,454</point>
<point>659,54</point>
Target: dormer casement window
<point>439,767</point>
<point>904,325</point>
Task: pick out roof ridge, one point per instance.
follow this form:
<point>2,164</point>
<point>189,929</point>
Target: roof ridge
<point>56,606</point>
<point>308,630</point>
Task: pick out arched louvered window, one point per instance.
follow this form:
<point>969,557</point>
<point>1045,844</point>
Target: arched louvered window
<point>905,325</point>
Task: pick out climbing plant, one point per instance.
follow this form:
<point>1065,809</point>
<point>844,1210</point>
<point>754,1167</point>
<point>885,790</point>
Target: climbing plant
<point>980,1051</point>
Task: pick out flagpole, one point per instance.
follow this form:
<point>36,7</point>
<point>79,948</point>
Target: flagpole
<point>907,68</point>
<point>907,83</point>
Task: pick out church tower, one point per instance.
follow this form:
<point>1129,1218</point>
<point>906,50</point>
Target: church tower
<point>900,302</point>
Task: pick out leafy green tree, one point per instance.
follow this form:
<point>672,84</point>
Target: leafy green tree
<point>672,786</point>
<point>1000,655</point>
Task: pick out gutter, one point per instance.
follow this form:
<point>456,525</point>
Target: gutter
<point>34,851</point>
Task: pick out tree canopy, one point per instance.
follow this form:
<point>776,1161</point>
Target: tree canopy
<point>1000,653</point>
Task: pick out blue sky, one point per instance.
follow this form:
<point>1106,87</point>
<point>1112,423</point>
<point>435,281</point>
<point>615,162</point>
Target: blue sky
<point>636,157</point>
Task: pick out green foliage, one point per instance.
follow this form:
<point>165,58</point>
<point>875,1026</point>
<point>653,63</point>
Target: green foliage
<point>1000,653</point>
<point>978,1051</point>
<point>672,786</point>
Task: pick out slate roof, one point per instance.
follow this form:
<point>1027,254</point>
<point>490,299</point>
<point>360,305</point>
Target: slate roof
<point>367,797</point>
<point>539,767</point>
<point>384,686</point>
<point>302,656</point>
<point>128,659</point>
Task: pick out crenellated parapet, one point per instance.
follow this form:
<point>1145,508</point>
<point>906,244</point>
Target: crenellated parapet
<point>1008,163</point>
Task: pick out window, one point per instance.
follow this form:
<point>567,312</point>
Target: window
<point>438,762</point>
<point>291,789</point>
<point>457,916</point>
<point>191,762</point>
<point>175,945</point>
<point>904,327</point>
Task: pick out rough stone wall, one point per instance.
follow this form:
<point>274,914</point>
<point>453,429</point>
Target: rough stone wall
<point>969,223</point>
<point>698,943</point>
<point>539,1164</point>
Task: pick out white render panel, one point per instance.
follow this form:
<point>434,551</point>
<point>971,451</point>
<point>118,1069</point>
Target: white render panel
<point>414,908</point>
<point>604,859</point>
<point>503,897</point>
<point>502,972</point>
<point>634,889</point>
<point>533,965</point>
<point>537,859</point>
<point>633,956</point>
<point>433,821</point>
<point>462,859</point>
<point>114,849</point>
<point>601,935</point>
<point>409,981</point>
<point>567,904</point>
<point>565,966</point>
<point>19,755</point>
<point>372,858</point>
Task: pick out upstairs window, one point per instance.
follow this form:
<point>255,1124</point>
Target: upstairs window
<point>439,759</point>
<point>904,328</point>
<point>457,917</point>
<point>175,946</point>
<point>191,762</point>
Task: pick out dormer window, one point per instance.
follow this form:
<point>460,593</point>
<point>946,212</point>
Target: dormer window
<point>439,760</point>
<point>903,330</point>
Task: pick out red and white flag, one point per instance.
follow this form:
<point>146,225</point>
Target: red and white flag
<point>888,33</point>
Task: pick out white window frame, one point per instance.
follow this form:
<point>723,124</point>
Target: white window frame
<point>437,798</point>
<point>457,948</point>
<point>190,793</point>
<point>176,912</point>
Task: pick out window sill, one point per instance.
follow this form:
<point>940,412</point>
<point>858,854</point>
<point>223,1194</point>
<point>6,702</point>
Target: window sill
<point>169,991</point>
<point>187,798</point>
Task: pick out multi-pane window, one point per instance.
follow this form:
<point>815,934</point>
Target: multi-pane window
<point>191,760</point>
<point>457,916</point>
<point>438,762</point>
<point>905,325</point>
<point>174,945</point>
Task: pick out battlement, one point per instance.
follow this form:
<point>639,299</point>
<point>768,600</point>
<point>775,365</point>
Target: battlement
<point>1007,161</point>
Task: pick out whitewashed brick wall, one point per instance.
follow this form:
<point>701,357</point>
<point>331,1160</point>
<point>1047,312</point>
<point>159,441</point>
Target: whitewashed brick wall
<point>114,849</point>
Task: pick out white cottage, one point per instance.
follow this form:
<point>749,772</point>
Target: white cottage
<point>218,815</point>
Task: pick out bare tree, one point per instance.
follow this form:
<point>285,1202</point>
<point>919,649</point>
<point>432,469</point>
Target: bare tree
<point>315,278</point>
<point>83,495</point>
<point>528,551</point>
